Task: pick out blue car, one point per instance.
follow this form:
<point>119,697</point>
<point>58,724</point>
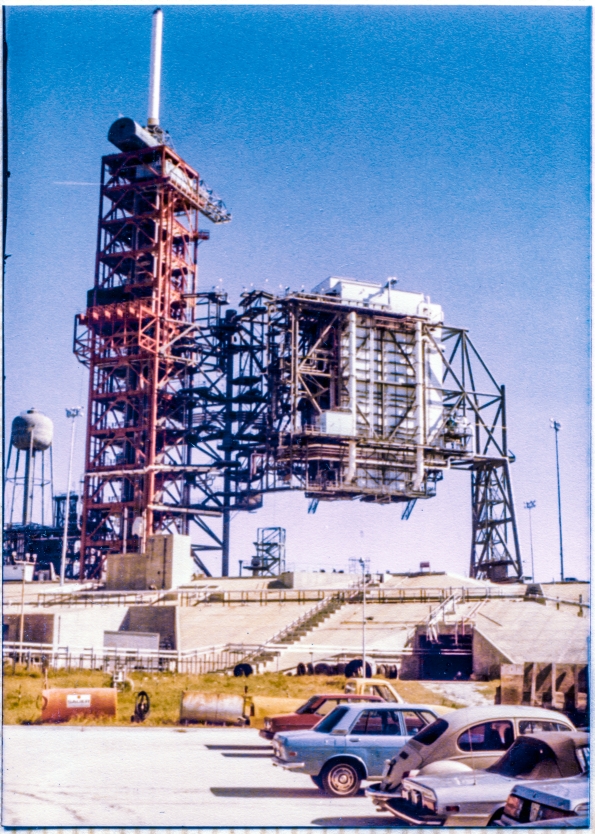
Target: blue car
<point>350,744</point>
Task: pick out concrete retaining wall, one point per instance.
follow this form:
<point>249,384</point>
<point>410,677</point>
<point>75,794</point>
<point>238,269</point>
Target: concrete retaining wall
<point>38,628</point>
<point>160,620</point>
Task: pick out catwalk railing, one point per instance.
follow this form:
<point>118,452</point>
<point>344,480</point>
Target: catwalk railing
<point>219,658</point>
<point>190,597</point>
<point>196,661</point>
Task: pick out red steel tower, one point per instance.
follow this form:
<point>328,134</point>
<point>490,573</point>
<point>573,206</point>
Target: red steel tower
<point>139,339</point>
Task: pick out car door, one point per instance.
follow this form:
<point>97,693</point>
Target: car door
<point>375,736</point>
<point>388,743</point>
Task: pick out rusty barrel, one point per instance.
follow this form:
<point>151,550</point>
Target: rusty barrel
<point>61,704</point>
<point>197,707</point>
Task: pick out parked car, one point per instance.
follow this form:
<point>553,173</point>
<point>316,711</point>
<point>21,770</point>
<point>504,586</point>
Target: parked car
<point>555,803</point>
<point>310,713</point>
<point>385,690</point>
<point>374,686</point>
<point>477,797</point>
<point>350,744</point>
<point>475,736</point>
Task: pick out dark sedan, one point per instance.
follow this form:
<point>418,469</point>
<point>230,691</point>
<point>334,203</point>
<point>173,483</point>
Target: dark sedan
<point>309,714</point>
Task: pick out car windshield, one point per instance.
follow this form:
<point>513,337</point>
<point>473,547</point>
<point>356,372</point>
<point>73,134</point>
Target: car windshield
<point>384,692</point>
<point>527,761</point>
<point>307,708</point>
<point>331,720</point>
<point>432,732</point>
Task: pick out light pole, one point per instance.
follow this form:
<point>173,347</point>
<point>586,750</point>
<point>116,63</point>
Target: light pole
<point>556,427</point>
<point>363,566</point>
<point>530,505</point>
<point>72,414</point>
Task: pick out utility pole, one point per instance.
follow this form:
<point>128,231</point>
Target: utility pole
<point>556,427</point>
<point>22,621</point>
<point>530,505</point>
<point>72,414</point>
<point>363,566</point>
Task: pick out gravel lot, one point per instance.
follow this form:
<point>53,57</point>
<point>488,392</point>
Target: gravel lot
<point>141,776</point>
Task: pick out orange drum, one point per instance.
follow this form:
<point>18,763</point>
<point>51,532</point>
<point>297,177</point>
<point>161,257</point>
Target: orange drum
<point>61,704</point>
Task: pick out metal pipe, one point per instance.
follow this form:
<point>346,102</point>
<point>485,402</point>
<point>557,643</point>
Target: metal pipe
<point>371,378</point>
<point>363,564</point>
<point>155,73</point>
<point>42,487</point>
<point>72,413</point>
<point>352,460</point>
<point>556,427</point>
<point>125,530</point>
<point>22,622</point>
<point>14,484</point>
<point>227,455</point>
<point>352,376</point>
<point>28,456</point>
<point>32,498</point>
<point>529,505</point>
<point>420,429</point>
<point>9,452</point>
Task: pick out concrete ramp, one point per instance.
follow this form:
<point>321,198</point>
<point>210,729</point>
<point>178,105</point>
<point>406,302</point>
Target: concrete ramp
<point>210,624</point>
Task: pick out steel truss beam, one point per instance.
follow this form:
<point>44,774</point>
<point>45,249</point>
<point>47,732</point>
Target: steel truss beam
<point>493,519</point>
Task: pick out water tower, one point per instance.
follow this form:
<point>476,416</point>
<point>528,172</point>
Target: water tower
<point>31,476</point>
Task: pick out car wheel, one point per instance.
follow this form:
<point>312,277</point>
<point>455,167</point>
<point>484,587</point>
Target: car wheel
<point>340,779</point>
<point>318,782</point>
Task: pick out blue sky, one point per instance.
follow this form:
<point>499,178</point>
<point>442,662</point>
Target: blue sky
<point>448,146</point>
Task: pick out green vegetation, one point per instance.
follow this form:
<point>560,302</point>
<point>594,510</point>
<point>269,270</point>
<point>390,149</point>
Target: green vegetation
<point>23,687</point>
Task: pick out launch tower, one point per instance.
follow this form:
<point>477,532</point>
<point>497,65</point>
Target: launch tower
<point>140,338</point>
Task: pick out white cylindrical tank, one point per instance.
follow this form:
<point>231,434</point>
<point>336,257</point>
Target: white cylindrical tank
<point>32,430</point>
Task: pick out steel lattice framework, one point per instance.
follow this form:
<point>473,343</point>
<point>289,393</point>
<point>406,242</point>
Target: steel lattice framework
<point>144,342</point>
<point>409,399</point>
<point>196,410</point>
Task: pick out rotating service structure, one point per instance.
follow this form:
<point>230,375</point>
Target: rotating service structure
<point>366,394</point>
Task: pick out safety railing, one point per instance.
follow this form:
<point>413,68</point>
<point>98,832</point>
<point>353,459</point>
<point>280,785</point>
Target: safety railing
<point>196,661</point>
<point>196,596</point>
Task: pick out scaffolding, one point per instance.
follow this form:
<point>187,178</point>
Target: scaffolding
<point>269,558</point>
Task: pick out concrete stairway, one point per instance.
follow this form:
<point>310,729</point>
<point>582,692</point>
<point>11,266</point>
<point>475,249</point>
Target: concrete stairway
<point>270,660</point>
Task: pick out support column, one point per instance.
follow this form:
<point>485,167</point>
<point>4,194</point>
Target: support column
<point>352,462</point>
<point>420,411</point>
<point>27,488</point>
<point>371,378</point>
<point>227,443</point>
